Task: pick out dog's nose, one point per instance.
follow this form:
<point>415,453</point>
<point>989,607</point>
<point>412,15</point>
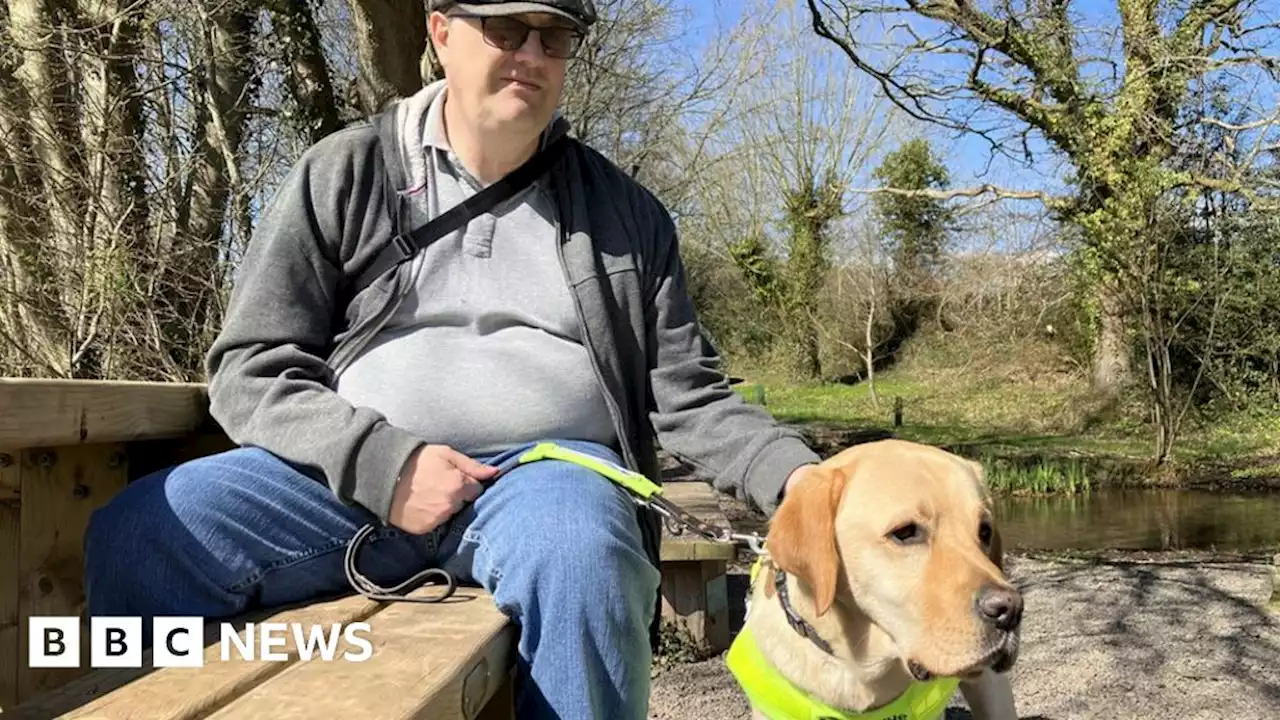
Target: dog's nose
<point>1001,607</point>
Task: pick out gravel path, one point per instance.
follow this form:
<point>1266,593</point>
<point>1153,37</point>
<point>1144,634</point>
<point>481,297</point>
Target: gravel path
<point>1133,636</point>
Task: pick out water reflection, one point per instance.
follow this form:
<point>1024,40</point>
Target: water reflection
<point>1142,520</point>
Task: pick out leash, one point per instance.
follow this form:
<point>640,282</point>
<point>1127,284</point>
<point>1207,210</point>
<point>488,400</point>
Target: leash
<point>642,491</point>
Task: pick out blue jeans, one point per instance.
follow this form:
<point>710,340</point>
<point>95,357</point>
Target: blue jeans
<point>557,545</point>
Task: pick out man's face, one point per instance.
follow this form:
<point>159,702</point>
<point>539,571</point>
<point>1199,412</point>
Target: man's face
<point>516,89</point>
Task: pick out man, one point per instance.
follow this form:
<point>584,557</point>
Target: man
<point>561,315</point>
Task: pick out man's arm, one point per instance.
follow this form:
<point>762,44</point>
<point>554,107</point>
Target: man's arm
<point>695,413</point>
<point>269,384</point>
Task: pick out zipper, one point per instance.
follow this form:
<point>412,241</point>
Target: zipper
<point>614,412</point>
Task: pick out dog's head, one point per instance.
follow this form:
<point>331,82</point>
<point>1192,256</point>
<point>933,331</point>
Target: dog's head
<point>901,534</point>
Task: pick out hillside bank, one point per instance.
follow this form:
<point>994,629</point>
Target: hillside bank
<point>1035,434</point>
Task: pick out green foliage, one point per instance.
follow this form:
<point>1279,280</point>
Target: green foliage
<point>810,210</point>
<point>1037,476</point>
<point>792,287</point>
<point>1085,275</point>
<point>916,226</point>
<point>734,319</point>
<point>760,269</point>
<point>1223,289</point>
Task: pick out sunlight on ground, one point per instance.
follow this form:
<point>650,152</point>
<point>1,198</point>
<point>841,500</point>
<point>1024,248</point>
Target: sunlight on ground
<point>1055,416</point>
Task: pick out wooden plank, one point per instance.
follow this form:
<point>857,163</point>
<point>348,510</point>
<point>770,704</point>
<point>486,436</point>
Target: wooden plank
<point>441,661</point>
<point>694,550</point>
<point>695,600</point>
<point>10,476</point>
<point>42,413</point>
<point>502,706</point>
<point>10,516</point>
<point>148,693</point>
<point>61,487</point>
<point>700,500</point>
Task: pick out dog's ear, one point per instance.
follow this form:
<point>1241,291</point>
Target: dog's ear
<point>802,533</point>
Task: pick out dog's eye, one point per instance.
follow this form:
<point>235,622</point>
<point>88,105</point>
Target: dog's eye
<point>907,533</point>
<point>984,532</point>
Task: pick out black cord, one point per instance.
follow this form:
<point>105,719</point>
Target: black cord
<point>371,590</point>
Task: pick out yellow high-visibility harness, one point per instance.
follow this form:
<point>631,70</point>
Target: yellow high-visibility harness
<point>779,699</point>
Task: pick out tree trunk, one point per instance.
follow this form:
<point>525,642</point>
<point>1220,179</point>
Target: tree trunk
<point>1112,365</point>
<point>193,280</point>
<point>116,218</point>
<point>308,76</point>
<point>46,78</point>
<point>871,346</point>
<point>45,87</point>
<point>809,347</point>
<point>391,38</point>
<point>29,317</point>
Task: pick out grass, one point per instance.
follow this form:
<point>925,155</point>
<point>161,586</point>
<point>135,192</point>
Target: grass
<point>1034,435</point>
<point>1042,477</point>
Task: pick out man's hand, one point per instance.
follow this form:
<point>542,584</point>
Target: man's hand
<point>795,477</point>
<point>434,485</point>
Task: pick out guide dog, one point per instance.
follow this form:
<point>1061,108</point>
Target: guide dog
<point>882,589</point>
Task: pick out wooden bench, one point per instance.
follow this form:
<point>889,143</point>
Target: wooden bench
<point>66,447</point>
<point>450,661</point>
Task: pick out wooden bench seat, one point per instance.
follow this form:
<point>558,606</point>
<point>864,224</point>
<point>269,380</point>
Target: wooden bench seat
<point>66,447</point>
<point>441,661</point>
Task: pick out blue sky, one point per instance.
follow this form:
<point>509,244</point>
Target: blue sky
<point>968,158</point>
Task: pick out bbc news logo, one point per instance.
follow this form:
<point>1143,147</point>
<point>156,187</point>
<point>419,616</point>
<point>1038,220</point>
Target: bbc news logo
<point>114,642</point>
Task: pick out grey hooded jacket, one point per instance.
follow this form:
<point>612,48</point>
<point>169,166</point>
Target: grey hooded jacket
<point>287,334</point>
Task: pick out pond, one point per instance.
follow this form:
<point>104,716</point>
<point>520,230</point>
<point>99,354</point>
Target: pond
<point>1140,519</point>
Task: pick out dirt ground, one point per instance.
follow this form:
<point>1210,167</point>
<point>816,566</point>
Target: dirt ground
<point>1149,636</point>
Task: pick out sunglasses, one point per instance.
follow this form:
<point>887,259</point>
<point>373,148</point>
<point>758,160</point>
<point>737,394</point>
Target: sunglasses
<point>509,34</point>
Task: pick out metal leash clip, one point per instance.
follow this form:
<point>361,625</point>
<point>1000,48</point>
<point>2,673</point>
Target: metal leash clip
<point>752,541</point>
<point>677,519</point>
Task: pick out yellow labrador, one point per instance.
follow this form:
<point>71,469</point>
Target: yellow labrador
<point>882,591</point>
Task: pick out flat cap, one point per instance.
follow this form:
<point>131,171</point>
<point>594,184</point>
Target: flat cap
<point>580,12</point>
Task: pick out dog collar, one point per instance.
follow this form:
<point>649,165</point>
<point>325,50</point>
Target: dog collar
<point>778,699</point>
<point>797,623</point>
<point>793,618</point>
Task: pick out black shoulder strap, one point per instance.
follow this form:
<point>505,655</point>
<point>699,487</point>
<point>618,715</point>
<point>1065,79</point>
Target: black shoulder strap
<point>404,246</point>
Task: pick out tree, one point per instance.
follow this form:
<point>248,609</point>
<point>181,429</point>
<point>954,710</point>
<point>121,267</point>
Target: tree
<point>809,130</point>
<point>915,227</point>
<point>972,70</point>
<point>1037,79</point>
<point>391,44</point>
<point>138,139</point>
<point>123,125</point>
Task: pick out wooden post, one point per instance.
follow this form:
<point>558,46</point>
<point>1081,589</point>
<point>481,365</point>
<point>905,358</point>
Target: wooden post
<point>63,454</point>
<point>695,598</point>
<point>10,555</point>
<point>897,411</point>
<point>61,487</point>
<point>753,393</point>
<point>1275,584</point>
<point>695,590</point>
